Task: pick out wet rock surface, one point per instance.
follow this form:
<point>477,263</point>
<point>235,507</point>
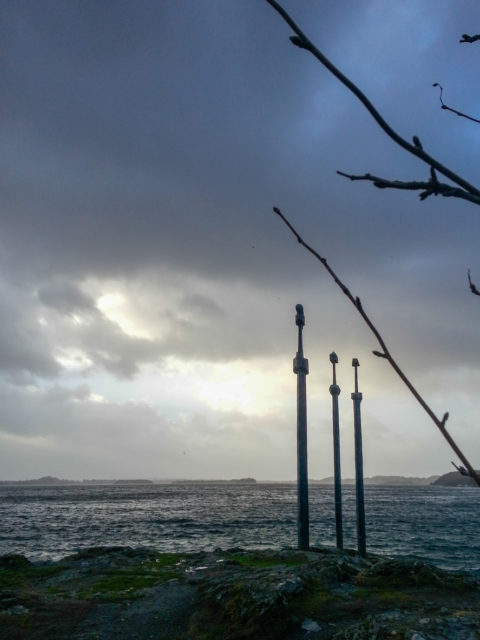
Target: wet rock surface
<point>122,594</point>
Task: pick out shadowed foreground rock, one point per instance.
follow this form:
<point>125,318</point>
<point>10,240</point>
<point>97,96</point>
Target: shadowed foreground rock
<point>122,594</point>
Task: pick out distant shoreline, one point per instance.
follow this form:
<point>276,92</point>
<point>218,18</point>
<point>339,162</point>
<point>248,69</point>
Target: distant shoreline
<point>383,481</point>
<point>449,479</point>
<point>48,481</point>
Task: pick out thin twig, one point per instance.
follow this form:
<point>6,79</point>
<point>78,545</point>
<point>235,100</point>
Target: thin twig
<point>427,188</point>
<point>473,288</point>
<point>460,470</point>
<point>446,108</point>
<point>385,352</point>
<point>470,39</point>
<point>301,40</point>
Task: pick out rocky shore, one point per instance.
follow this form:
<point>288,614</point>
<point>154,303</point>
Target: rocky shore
<point>127,594</point>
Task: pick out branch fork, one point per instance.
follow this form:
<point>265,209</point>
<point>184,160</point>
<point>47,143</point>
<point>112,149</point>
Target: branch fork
<point>463,190</point>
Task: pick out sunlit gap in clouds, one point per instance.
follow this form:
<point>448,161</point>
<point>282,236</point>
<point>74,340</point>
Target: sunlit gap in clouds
<point>117,308</point>
<point>253,387</point>
<point>73,360</point>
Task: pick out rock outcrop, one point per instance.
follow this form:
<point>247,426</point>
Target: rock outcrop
<point>121,593</point>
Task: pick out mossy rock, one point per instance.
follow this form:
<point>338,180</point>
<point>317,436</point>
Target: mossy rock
<point>266,561</point>
<point>22,576</point>
<point>410,572</point>
<point>335,569</point>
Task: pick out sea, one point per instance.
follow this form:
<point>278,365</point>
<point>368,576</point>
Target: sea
<point>437,524</point>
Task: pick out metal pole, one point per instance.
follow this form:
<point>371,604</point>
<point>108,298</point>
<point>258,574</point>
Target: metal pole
<point>335,392</point>
<point>300,368</point>
<point>357,421</point>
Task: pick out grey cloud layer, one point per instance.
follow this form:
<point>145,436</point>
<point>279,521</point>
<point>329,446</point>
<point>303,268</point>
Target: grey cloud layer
<point>61,321</point>
<point>66,432</point>
<point>164,135</point>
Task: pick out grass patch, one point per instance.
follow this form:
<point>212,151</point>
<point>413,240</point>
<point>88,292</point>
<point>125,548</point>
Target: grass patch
<point>25,577</point>
<point>118,586</point>
<point>106,583</point>
<point>127,583</point>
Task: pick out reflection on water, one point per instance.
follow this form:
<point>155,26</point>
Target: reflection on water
<point>436,523</point>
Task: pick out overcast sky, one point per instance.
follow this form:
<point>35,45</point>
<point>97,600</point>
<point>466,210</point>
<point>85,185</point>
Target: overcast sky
<point>148,292</point>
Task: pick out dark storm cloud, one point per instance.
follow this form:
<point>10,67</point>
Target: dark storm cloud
<point>124,144</point>
<point>163,134</point>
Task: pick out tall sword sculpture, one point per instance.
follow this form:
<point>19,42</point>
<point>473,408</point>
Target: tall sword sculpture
<point>357,424</point>
<point>335,392</point>
<point>300,368</point>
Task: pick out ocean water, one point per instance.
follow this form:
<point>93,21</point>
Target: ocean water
<point>439,524</point>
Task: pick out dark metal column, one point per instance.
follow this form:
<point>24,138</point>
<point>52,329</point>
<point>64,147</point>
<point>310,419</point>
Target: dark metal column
<point>357,420</point>
<point>335,392</point>
<point>300,368</point>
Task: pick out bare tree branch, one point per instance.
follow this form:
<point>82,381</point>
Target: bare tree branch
<point>427,188</point>
<point>467,38</point>
<point>301,40</point>
<point>385,352</point>
<point>446,108</point>
<point>461,470</point>
<point>473,288</point>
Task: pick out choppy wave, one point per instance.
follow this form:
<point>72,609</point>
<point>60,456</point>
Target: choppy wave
<point>437,523</point>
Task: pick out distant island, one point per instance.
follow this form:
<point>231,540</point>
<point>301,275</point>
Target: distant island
<point>454,479</point>
<point>383,480</point>
<point>451,479</point>
<point>51,480</point>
